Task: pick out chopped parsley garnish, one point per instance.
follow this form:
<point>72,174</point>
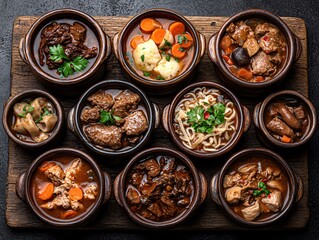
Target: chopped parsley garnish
<point>68,67</point>
<point>26,109</point>
<point>181,39</point>
<point>107,118</point>
<point>168,57</point>
<point>142,57</point>
<point>167,43</point>
<point>182,49</point>
<point>204,121</point>
<point>262,189</point>
<point>159,77</point>
<point>146,74</point>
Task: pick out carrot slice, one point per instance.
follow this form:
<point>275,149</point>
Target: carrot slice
<point>285,139</point>
<point>158,35</point>
<point>226,42</point>
<point>260,79</point>
<point>47,192</point>
<point>176,28</point>
<point>69,214</point>
<point>245,74</point>
<point>45,166</point>
<point>187,40</point>
<point>136,41</point>
<point>149,25</point>
<point>228,60</point>
<point>178,51</point>
<point>76,194</point>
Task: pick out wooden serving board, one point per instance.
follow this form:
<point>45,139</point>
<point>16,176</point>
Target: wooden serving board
<point>209,216</point>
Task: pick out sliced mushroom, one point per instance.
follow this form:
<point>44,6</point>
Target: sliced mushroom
<point>37,105</point>
<point>47,123</point>
<point>32,128</point>
<point>18,127</point>
<point>250,213</point>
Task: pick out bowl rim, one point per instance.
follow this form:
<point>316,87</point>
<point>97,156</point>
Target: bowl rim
<point>240,118</point>
<point>68,12</point>
<point>182,158</point>
<point>24,95</point>
<point>312,115</point>
<point>292,193</point>
<point>60,152</point>
<point>275,20</point>
<point>104,85</point>
<point>143,80</point>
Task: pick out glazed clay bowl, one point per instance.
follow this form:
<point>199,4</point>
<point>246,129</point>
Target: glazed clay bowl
<point>262,131</point>
<point>295,189</point>
<point>152,86</point>
<point>200,188</point>
<point>95,72</point>
<point>24,190</point>
<point>74,122</point>
<point>254,88</point>
<point>7,116</point>
<point>243,120</point>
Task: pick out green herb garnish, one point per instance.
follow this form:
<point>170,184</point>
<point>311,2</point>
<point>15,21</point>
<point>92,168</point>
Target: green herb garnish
<point>68,67</point>
<point>182,49</point>
<point>262,189</point>
<point>167,43</point>
<point>146,74</point>
<point>26,109</point>
<point>168,57</point>
<point>107,118</point>
<point>142,57</point>
<point>45,113</point>
<point>159,77</point>
<point>181,39</point>
<point>205,121</point>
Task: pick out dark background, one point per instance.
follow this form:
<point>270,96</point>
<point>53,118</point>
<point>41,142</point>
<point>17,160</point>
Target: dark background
<point>306,9</point>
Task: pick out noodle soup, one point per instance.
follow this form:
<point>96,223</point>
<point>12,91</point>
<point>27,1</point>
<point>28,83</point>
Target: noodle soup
<point>205,120</point>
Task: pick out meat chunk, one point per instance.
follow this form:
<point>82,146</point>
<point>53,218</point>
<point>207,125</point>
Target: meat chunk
<point>275,184</point>
<point>261,64</point>
<point>102,100</point>
<point>91,191</point>
<point>270,42</point>
<point>75,49</point>
<point>106,136</point>
<point>78,32</point>
<point>170,166</point>
<point>76,206</point>
<point>239,32</point>
<point>230,180</point>
<point>252,46</point>
<point>61,200</point>
<point>279,127</point>
<point>250,213</point>
<point>275,58</point>
<point>233,194</point>
<point>90,114</point>
<point>273,201</point>
<point>135,124</point>
<point>133,196</point>
<point>56,174</point>
<point>125,103</point>
<point>152,167</point>
<point>155,208</point>
<point>262,29</point>
<point>299,112</point>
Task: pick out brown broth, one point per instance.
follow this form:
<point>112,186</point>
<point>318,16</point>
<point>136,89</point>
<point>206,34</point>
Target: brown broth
<point>185,61</point>
<point>265,162</point>
<point>90,41</point>
<point>82,179</point>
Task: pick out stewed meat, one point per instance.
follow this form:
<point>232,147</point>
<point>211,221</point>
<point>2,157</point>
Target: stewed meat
<point>279,127</point>
<point>102,100</point>
<point>135,124</point>
<point>106,136</point>
<point>90,114</point>
<point>125,103</point>
<point>261,64</point>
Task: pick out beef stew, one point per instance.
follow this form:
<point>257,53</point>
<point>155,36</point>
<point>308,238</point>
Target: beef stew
<point>253,50</point>
<point>65,187</point>
<point>159,188</point>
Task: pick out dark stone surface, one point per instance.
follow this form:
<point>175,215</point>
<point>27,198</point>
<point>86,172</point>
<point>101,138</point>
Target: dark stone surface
<point>305,9</point>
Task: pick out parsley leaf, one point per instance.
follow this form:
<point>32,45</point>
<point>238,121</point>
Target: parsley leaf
<point>262,189</point>
<point>79,63</point>
<point>46,113</point>
<point>168,57</point>
<point>26,109</point>
<point>181,39</point>
<point>146,74</point>
<point>142,57</point>
<point>167,43</point>
<point>159,77</point>
<point>182,49</point>
<point>107,118</point>
<point>57,53</point>
<point>66,69</point>
<point>204,121</point>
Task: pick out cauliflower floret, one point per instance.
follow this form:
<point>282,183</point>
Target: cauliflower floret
<point>146,56</point>
<point>168,69</point>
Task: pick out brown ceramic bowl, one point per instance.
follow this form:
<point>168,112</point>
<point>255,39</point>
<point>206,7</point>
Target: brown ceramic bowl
<point>243,120</point>
<point>263,133</point>
<point>166,86</point>
<point>8,115</point>
<point>96,71</point>
<point>295,189</point>
<point>23,188</point>
<point>200,188</point>
<point>254,88</point>
<point>75,125</point>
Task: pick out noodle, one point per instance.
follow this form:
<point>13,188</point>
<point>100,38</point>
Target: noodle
<point>221,133</point>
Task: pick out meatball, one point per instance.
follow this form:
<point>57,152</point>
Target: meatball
<point>102,100</point>
<point>135,124</point>
<point>125,103</point>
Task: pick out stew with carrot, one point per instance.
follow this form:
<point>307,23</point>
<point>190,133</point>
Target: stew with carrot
<point>253,50</point>
<point>65,187</point>
<point>159,49</point>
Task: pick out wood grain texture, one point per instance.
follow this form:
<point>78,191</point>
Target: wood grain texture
<point>209,216</point>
